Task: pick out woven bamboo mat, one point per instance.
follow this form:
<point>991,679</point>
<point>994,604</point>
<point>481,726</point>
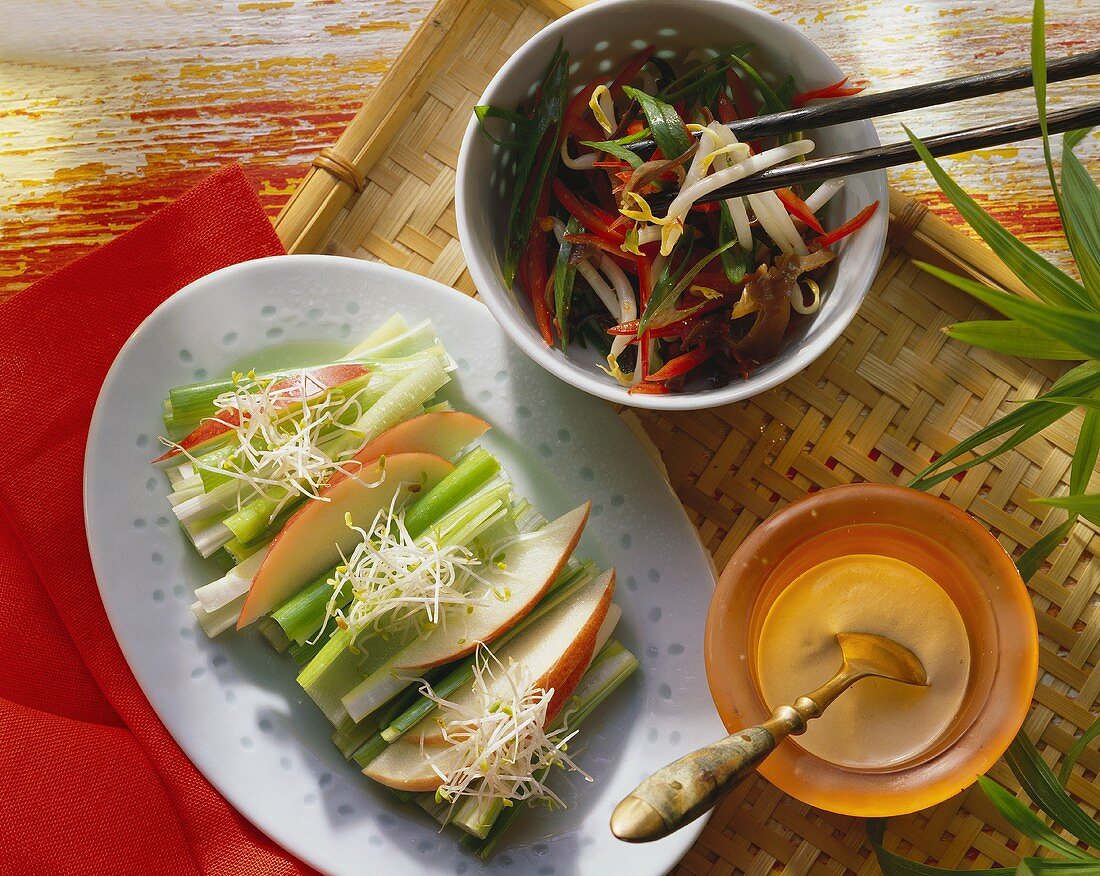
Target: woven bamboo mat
<point>888,396</point>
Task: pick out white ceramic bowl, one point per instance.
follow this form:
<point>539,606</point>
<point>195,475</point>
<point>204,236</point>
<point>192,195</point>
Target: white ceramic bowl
<point>599,39</point>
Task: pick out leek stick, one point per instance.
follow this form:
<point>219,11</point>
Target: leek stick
<point>569,581</point>
<point>301,615</point>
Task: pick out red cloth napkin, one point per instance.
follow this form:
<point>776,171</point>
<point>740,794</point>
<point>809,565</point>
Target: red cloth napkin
<point>90,781</point>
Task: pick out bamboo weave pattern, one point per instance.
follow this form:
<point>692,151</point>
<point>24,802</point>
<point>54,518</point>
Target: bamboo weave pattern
<point>887,397</point>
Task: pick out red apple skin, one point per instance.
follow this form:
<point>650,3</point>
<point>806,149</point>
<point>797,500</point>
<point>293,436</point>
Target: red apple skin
<point>510,622</point>
<point>443,433</point>
<point>259,600</point>
<point>437,435</point>
<point>402,766</point>
<point>423,439</point>
<point>319,380</point>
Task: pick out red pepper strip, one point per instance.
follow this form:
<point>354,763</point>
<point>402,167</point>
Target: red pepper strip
<point>589,215</point>
<point>535,256</point>
<point>852,225</point>
<point>799,209</point>
<point>632,69</point>
<point>837,89</point>
<point>645,289</point>
<point>742,99</point>
<point>673,329</point>
<point>617,165</point>
<point>681,364</point>
<point>623,260</point>
<point>647,388</point>
<point>726,111</point>
<point>630,328</point>
<point>635,128</point>
<point>536,276</point>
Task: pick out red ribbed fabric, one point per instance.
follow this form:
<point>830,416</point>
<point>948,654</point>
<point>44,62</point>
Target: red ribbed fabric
<point>90,781</point>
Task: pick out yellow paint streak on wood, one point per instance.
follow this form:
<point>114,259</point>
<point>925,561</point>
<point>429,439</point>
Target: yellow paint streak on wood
<point>364,27</point>
<point>265,6</point>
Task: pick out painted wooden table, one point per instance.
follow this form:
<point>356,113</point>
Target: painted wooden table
<point>110,108</point>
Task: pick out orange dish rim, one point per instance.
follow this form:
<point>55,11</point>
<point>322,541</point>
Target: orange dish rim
<point>991,596</point>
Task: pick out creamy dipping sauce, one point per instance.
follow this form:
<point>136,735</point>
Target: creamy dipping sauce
<point>875,723</point>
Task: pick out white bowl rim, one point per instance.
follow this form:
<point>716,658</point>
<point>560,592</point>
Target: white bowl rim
<point>515,323</point>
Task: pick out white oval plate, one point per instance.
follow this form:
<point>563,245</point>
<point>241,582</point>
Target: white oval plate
<point>233,704</point>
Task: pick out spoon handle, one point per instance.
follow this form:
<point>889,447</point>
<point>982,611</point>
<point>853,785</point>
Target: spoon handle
<point>682,791</point>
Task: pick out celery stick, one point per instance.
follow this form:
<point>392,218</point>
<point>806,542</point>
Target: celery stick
<point>370,749</point>
<point>392,408</point>
<point>208,536</point>
<point>568,582</point>
<point>439,810</point>
<point>409,393</point>
<point>301,616</point>
<point>349,736</point>
<point>247,523</point>
<point>333,671</point>
<point>414,340</point>
<point>337,668</point>
<point>236,582</point>
<point>216,622</point>
<point>611,668</point>
<point>274,634</point>
<point>409,696</point>
<point>389,330</point>
<point>224,560</point>
<point>475,469</point>
<point>303,654</point>
<point>240,551</point>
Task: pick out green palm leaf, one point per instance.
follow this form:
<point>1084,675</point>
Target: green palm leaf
<point>1081,200</point>
<point>1031,559</point>
<point>1077,750</point>
<point>1086,506</point>
<point>1072,325</point>
<point>1077,202</point>
<point>1027,822</point>
<point>895,865</point>
<point>1034,415</point>
<point>1043,787</point>
<point>1040,276</point>
<point>1053,867</point>
<point>1014,338</point>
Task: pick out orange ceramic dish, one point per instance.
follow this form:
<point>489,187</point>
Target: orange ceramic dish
<point>944,543</point>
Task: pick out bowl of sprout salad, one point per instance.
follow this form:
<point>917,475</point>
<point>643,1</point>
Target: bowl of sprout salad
<point>582,209</point>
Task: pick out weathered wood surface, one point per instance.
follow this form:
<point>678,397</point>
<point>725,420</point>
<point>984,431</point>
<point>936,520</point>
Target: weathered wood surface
<point>109,108</point>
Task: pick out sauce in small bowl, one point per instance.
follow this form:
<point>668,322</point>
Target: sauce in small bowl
<point>895,562</point>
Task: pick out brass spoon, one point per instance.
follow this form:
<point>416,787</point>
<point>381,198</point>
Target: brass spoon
<point>682,791</point>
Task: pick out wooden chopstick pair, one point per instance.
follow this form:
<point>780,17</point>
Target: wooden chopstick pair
<point>866,106</point>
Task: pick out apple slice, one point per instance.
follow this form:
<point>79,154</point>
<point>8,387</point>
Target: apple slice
<point>565,691</point>
<point>531,563</point>
<point>305,384</point>
<point>443,433</point>
<point>540,650</point>
<point>312,539</point>
<point>552,649</point>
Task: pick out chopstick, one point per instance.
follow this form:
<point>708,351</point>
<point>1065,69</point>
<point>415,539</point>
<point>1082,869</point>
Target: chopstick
<point>880,157</point>
<point>868,106</point>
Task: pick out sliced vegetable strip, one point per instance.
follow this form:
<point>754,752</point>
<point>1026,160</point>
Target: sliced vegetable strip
<point>850,227</point>
<point>656,133</point>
